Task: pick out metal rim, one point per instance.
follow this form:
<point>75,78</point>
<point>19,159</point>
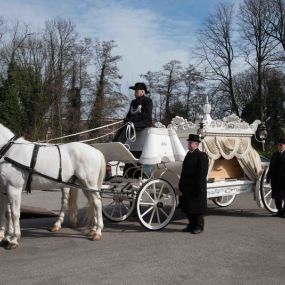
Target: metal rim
<point>117,205</point>
<point>224,201</point>
<point>156,203</point>
<point>265,193</point>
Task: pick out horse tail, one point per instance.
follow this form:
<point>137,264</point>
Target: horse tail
<point>102,172</point>
<point>73,194</point>
<point>72,206</point>
<point>89,214</point>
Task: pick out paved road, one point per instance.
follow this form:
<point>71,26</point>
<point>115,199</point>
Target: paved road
<point>242,244</point>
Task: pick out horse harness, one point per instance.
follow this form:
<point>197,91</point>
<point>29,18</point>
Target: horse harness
<point>31,169</point>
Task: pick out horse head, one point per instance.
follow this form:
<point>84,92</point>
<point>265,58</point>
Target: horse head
<point>5,134</point>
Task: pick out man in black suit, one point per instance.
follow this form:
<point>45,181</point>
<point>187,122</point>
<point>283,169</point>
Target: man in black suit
<point>140,112</point>
<point>276,175</point>
<point>193,185</point>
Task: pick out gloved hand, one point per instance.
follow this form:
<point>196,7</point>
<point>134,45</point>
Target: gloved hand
<point>126,120</point>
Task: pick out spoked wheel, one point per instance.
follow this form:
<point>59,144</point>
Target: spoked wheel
<point>224,201</point>
<point>118,205</point>
<point>156,203</point>
<point>265,193</point>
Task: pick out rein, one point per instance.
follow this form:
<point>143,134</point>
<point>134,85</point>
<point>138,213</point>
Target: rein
<point>131,132</point>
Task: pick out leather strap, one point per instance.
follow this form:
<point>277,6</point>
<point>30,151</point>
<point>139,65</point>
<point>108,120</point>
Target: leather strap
<point>32,166</point>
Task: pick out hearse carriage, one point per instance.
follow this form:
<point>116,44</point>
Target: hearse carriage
<point>150,185</point>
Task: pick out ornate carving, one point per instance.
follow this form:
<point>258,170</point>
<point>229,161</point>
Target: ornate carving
<point>229,190</point>
<point>232,124</point>
<point>159,125</point>
<point>181,124</point>
<point>254,125</point>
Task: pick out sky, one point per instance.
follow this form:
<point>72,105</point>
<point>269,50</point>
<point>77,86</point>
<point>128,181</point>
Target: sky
<point>149,33</point>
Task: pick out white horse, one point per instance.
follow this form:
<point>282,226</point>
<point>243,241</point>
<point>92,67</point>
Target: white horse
<point>80,163</point>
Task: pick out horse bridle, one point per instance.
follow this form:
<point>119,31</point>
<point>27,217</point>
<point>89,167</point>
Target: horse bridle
<point>6,146</point>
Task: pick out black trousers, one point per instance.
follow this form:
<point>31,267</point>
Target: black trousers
<point>196,221</point>
<point>280,204</point>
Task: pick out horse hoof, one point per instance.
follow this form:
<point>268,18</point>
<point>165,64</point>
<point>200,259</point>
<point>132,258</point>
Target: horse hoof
<point>4,243</point>
<point>91,233</point>
<point>96,237</point>
<point>11,246</point>
<point>54,229</point>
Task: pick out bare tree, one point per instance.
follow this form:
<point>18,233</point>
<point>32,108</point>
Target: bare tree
<point>79,80</point>
<point>192,80</point>
<point>108,98</point>
<point>16,40</point>
<point>168,87</point>
<point>60,37</point>
<point>245,87</point>
<point>258,47</point>
<point>216,50</point>
<point>2,27</point>
<point>277,21</point>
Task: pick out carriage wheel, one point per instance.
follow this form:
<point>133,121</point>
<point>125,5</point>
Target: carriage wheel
<point>156,203</point>
<point>224,201</point>
<point>265,193</point>
<point>117,205</point>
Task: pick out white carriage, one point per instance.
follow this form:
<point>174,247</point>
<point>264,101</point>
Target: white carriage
<point>145,190</point>
<point>152,188</point>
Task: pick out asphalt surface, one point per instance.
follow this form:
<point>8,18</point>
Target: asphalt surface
<point>241,244</point>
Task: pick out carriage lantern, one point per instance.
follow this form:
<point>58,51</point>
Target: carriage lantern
<point>261,134</point>
<point>201,132</point>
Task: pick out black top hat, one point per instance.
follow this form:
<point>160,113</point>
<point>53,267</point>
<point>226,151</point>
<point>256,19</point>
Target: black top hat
<point>140,86</point>
<point>194,138</point>
<point>281,140</point>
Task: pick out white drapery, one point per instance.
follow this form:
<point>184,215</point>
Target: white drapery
<point>230,147</point>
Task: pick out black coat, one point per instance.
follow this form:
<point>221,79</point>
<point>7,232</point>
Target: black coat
<point>193,182</point>
<point>140,116</point>
<point>276,174</point>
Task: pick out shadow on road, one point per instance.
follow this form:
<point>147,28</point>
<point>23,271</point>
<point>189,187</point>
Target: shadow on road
<point>32,223</point>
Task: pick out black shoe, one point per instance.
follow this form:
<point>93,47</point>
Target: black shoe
<point>187,229</point>
<point>196,231</point>
<point>278,214</point>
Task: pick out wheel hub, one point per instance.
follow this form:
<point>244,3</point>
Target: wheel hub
<point>118,198</point>
<point>159,205</point>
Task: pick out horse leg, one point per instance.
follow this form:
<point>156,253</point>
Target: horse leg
<point>13,211</point>
<point>90,218</point>
<point>3,209</point>
<point>64,204</point>
<point>9,225</point>
<point>96,232</point>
